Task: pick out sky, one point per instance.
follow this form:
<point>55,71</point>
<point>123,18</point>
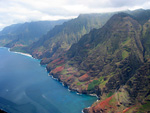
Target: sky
<point>19,11</point>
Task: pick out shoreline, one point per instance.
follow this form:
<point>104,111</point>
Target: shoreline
<point>25,54</point>
<point>69,90</point>
<point>21,53</point>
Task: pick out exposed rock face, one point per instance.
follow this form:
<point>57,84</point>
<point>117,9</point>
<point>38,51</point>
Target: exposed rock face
<point>112,62</point>
<point>84,78</point>
<point>139,85</point>
<point>131,97</point>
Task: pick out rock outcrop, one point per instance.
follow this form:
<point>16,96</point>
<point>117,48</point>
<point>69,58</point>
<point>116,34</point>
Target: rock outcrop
<point>112,62</point>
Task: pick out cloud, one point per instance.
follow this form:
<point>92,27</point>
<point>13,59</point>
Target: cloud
<point>17,11</point>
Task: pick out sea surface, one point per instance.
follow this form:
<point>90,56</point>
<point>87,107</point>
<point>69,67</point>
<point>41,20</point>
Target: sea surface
<point>25,87</point>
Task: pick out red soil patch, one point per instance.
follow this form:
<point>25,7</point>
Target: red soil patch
<point>124,111</point>
<point>105,107</point>
<point>56,60</point>
<point>104,103</point>
<point>62,77</point>
<point>84,77</point>
<point>69,69</point>
<point>57,69</point>
<point>60,62</point>
<point>102,106</point>
<point>70,77</point>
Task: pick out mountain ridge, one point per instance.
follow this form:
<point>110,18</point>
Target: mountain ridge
<point>59,39</point>
<point>111,60</point>
<point>103,62</point>
<point>17,36</point>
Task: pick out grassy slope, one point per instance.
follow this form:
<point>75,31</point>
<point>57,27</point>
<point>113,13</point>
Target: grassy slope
<point>104,60</point>
<point>60,39</point>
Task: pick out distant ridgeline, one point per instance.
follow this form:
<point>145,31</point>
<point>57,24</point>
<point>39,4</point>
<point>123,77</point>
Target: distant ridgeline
<point>20,35</point>
<point>58,40</point>
<point>104,54</point>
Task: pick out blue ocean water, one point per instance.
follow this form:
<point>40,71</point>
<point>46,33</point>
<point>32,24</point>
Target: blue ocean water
<point>25,87</point>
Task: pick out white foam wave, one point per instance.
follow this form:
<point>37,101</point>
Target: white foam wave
<point>43,96</point>
<point>26,54</point>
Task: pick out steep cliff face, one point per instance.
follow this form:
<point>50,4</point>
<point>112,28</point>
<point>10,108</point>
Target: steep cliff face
<point>105,50</point>
<point>109,62</point>
<point>59,40</point>
<point>19,35</point>
<point>132,97</point>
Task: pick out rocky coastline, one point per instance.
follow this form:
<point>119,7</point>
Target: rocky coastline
<point>57,77</point>
<point>77,90</point>
<point>112,63</point>
<point>108,62</point>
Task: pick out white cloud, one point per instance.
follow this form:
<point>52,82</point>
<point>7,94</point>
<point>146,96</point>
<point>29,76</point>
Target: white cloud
<point>16,11</point>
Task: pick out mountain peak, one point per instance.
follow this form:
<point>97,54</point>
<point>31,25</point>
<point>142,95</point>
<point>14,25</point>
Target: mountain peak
<point>120,15</point>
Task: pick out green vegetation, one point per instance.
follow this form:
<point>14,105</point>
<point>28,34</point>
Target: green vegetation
<point>127,42</point>
<point>3,42</point>
<point>41,49</point>
<point>112,101</point>
<point>94,83</point>
<point>25,33</point>
<point>68,75</point>
<point>63,36</point>
<point>125,54</point>
<point>110,94</point>
<point>18,49</point>
<point>82,72</point>
<point>64,72</point>
<point>112,57</point>
<point>79,83</point>
<point>145,107</point>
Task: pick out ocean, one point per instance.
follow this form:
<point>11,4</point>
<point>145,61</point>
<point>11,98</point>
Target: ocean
<point>25,87</point>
